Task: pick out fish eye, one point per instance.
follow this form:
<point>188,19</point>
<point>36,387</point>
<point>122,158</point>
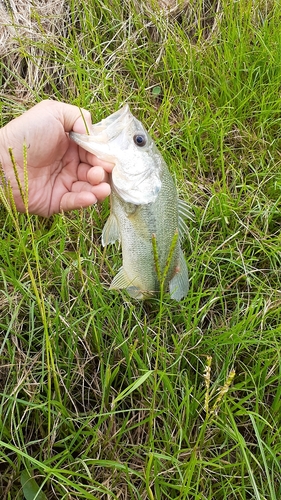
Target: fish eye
<point>139,140</point>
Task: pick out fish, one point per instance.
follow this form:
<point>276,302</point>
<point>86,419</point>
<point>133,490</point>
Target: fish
<point>146,215</point>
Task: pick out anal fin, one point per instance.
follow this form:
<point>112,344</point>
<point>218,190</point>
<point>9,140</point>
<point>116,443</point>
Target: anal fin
<point>120,281</point>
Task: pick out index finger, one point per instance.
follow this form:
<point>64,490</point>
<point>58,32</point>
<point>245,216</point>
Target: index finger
<point>93,160</point>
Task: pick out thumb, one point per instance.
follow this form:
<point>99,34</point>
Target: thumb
<point>75,118</point>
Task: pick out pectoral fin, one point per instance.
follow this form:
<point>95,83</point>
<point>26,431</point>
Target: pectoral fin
<point>110,232</point>
<point>179,284</point>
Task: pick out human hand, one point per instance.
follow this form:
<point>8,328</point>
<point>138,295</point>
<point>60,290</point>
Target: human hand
<point>61,175</point>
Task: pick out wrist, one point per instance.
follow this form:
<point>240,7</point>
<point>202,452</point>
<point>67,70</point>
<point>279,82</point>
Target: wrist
<point>8,179</point>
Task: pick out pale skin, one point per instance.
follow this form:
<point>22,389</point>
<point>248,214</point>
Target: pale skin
<point>61,175</point>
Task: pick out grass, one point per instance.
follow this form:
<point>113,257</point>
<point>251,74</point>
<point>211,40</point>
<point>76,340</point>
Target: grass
<point>102,397</point>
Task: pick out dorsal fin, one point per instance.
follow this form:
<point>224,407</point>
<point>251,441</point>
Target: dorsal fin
<point>184,214</point>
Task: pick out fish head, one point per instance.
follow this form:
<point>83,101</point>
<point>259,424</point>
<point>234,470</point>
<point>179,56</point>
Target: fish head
<point>122,139</point>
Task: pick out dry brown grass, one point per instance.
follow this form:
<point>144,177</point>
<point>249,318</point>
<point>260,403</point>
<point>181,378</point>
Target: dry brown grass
<point>31,29</point>
<point>26,26</point>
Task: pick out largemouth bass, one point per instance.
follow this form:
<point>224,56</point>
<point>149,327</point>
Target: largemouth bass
<point>146,214</point>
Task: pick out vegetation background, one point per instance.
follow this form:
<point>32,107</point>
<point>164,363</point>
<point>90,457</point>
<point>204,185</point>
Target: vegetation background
<point>102,397</point>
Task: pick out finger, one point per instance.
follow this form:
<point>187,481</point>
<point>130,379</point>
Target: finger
<point>95,161</point>
<point>83,199</point>
<point>96,175</point>
<point>92,175</point>
<point>74,118</point>
<point>87,160</point>
<point>73,201</point>
<point>71,117</point>
<point>101,191</point>
<point>83,124</point>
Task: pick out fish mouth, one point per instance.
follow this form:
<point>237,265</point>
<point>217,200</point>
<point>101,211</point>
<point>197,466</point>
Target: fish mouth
<point>109,128</point>
<point>101,135</point>
<point>113,119</point>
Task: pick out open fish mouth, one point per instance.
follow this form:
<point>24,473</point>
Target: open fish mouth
<point>112,121</point>
<point>113,124</point>
<point>102,134</point>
